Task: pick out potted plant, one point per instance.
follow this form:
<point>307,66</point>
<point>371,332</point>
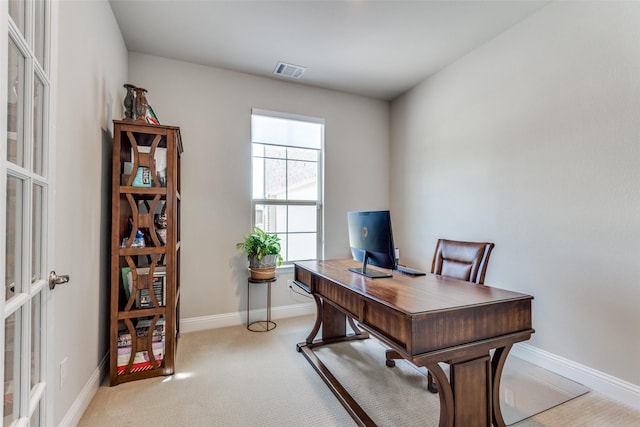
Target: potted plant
<point>263,251</point>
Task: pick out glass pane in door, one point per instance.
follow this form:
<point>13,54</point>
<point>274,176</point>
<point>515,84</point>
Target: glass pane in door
<point>35,418</point>
<point>36,325</point>
<point>38,126</point>
<point>12,347</point>
<point>37,225</point>
<point>39,29</point>
<point>15,103</point>
<point>17,13</point>
<point>13,263</point>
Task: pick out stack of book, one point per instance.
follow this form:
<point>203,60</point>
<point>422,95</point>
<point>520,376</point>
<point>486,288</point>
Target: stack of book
<point>141,361</point>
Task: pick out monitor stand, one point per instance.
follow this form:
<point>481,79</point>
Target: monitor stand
<point>370,273</point>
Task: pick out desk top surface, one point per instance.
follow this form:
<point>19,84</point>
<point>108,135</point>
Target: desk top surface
<point>411,294</point>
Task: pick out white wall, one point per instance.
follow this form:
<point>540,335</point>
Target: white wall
<point>532,142</point>
<point>213,107</point>
<point>92,66</point>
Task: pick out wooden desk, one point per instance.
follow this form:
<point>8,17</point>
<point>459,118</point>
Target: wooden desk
<point>426,320</point>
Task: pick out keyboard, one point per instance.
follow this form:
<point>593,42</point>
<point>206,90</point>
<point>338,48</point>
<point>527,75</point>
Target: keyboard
<point>410,271</point>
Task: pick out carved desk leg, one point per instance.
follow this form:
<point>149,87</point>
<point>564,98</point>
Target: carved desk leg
<point>316,326</point>
<point>354,327</point>
<point>334,326</point>
<point>334,322</point>
<point>497,365</point>
<point>446,395</point>
<point>470,398</point>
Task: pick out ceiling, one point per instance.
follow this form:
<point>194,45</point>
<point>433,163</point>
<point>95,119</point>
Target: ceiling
<point>377,49</point>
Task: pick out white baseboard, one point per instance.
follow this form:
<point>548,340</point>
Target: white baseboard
<point>81,403</point>
<point>605,384</point>
<point>240,317</point>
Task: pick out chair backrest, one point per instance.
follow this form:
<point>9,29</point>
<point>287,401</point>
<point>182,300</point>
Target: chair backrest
<point>462,260</point>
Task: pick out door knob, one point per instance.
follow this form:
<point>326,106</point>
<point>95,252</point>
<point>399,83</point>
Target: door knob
<point>55,279</point>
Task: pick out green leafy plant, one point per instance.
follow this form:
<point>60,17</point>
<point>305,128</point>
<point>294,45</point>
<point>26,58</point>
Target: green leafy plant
<point>258,243</point>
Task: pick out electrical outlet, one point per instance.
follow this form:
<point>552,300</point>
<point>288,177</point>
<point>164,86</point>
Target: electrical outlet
<point>509,397</point>
<point>63,371</point>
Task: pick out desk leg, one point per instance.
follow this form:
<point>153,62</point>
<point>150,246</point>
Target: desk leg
<point>445,394</point>
<point>316,326</point>
<point>465,400</point>
<point>471,384</point>
<point>471,397</point>
<point>334,322</point>
<point>334,326</point>
<point>497,364</point>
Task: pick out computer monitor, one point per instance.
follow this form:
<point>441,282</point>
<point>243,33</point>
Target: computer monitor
<point>371,242</point>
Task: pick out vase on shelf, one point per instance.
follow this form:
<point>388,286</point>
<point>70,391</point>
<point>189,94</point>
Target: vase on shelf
<point>141,104</point>
<point>128,101</point>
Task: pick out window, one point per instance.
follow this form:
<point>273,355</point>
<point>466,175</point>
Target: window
<point>287,181</point>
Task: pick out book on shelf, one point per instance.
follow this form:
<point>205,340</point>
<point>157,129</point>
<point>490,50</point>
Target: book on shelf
<point>142,331</point>
<point>145,323</point>
<point>143,298</point>
<point>141,361</point>
<point>142,178</point>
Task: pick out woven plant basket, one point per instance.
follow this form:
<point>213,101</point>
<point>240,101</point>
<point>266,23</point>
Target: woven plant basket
<point>263,273</point>
<point>263,269</point>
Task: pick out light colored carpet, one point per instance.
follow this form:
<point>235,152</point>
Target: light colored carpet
<point>234,377</point>
<point>525,389</point>
<point>390,396</point>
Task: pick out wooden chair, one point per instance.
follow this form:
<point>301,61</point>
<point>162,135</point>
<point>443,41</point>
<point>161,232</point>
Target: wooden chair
<point>460,260</point>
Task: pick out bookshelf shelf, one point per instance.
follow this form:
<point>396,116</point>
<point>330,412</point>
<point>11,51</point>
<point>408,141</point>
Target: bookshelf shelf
<point>145,251</point>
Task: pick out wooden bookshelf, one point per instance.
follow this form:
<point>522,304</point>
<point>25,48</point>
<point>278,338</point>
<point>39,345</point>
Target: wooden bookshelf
<point>145,251</point>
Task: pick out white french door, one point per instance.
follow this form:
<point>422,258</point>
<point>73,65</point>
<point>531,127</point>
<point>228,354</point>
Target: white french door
<point>26,195</point>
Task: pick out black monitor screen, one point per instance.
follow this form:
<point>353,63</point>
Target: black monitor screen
<point>371,242</point>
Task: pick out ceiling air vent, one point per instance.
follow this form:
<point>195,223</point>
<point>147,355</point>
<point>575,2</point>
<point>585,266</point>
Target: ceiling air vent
<point>289,70</point>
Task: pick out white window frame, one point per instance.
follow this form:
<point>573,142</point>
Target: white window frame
<point>318,203</point>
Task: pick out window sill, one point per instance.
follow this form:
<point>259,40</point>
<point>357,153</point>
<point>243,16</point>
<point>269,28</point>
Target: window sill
<point>285,268</point>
